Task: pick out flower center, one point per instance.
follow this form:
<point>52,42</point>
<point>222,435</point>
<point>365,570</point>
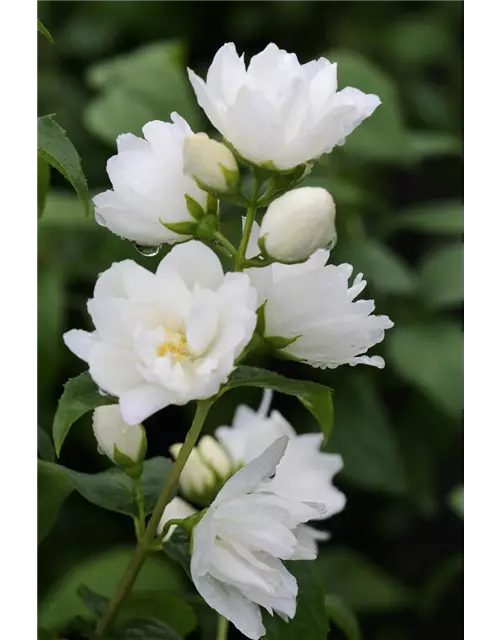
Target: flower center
<point>174,345</point>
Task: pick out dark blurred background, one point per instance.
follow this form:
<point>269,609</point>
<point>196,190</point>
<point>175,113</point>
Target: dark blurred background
<point>395,555</point>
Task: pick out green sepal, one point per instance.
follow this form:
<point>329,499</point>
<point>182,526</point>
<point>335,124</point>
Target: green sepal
<point>207,227</point>
<point>212,205</point>
<point>260,327</point>
<point>194,208</point>
<point>278,342</point>
<point>231,177</point>
<point>182,228</point>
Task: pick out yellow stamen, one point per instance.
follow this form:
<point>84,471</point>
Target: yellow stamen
<point>174,345</point>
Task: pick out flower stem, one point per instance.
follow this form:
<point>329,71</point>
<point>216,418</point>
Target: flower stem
<point>143,545</point>
<point>222,626</point>
<point>224,242</point>
<point>140,521</point>
<point>239,259</point>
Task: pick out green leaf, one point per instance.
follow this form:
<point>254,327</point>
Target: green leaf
<point>383,268</point>
<point>442,276</point>
<point>382,136</point>
<point>315,397</point>
<point>432,217</point>
<point>365,437</point>
<point>360,584</point>
<point>50,309</point>
<point>101,574</point>
<point>63,211</point>
<point>53,489</point>
<point>43,181</point>
<point>343,618</point>
<point>430,356</point>
<point>80,395</point>
<point>447,575</point>
<point>44,445</point>
<point>112,489</point>
<point>161,605</point>
<point>310,620</point>
<point>55,147</point>
<point>44,31</point>
<point>93,601</point>
<point>456,501</point>
<point>147,84</point>
<point>178,548</point>
<point>144,629</point>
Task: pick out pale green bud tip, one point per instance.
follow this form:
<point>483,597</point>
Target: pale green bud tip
<point>299,223</point>
<point>211,163</point>
<point>114,434</point>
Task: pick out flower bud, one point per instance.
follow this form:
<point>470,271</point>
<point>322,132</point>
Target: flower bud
<point>215,456</point>
<point>210,163</point>
<point>121,442</point>
<point>298,223</point>
<point>197,479</point>
<point>176,509</point>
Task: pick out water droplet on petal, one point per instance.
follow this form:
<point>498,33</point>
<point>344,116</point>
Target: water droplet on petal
<point>146,250</point>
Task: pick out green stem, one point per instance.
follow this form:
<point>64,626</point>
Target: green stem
<point>141,519</point>
<point>222,626</point>
<point>142,548</point>
<point>247,229</point>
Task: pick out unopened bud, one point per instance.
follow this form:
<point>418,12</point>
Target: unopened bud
<point>211,163</point>
<point>298,223</point>
<point>120,441</point>
<point>176,509</point>
<point>215,456</point>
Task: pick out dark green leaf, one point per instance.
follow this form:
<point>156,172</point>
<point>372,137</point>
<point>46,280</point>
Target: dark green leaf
<point>45,634</point>
<point>162,605</point>
<point>360,584</point>
<point>433,217</point>
<point>44,31</point>
<point>384,270</point>
<point>113,489</point>
<point>448,575</point>
<point>93,601</point>
<point>55,147</point>
<point>178,548</point>
<point>53,489</point>
<point>51,301</point>
<point>42,185</point>
<point>310,619</point>
<point>365,437</point>
<point>45,448</point>
<point>315,397</point>
<point>147,84</point>
<point>154,473</point>
<point>343,618</point>
<point>431,358</point>
<point>101,574</point>
<point>80,396</point>
<point>144,629</point>
<point>442,276</point>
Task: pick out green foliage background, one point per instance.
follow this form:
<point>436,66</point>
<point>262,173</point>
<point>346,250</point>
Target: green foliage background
<point>395,555</point>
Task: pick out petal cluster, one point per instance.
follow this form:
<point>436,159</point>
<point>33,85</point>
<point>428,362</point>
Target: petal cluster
<point>166,337</point>
<point>316,304</point>
<point>240,542</point>
<point>149,184</point>
<point>277,110</point>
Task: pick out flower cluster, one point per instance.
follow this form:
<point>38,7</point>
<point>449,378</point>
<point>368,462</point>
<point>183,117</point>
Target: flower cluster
<point>177,335</point>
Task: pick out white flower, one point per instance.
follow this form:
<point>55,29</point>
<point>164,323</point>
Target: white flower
<point>315,303</point>
<point>149,184</point>
<point>112,433</point>
<point>176,509</point>
<point>298,223</point>
<point>278,110</point>
<point>166,338</point>
<point>214,456</point>
<point>210,162</point>
<point>305,472</point>
<point>240,542</point>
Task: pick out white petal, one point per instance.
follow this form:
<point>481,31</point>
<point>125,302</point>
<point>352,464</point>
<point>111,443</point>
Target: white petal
<point>143,401</point>
<point>202,322</point>
<point>113,369</point>
<point>247,478</point>
<point>80,342</point>
<point>196,264</point>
